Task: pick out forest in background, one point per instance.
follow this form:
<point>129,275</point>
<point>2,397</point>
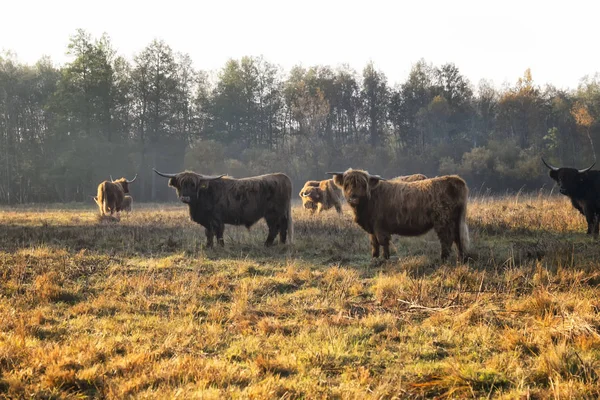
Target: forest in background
<point>65,129</point>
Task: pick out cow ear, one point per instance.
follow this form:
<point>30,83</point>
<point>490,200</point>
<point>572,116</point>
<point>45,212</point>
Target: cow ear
<point>553,174</point>
<point>373,182</point>
<point>203,185</point>
<point>338,179</point>
<point>173,182</point>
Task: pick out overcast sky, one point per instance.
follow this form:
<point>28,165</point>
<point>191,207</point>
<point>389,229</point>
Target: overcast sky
<point>495,40</point>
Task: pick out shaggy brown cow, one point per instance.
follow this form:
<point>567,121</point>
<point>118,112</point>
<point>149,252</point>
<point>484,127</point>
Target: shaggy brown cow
<point>383,208</point>
<point>111,194</point>
<point>214,201</point>
<point>321,195</point>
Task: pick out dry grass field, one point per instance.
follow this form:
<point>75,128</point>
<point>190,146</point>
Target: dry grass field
<point>140,309</point>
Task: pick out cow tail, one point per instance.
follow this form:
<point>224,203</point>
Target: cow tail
<point>463,229</point>
<point>290,223</point>
<point>105,209</point>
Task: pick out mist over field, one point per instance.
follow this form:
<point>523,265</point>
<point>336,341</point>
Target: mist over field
<point>64,129</point>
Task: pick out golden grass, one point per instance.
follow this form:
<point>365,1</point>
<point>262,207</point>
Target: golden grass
<point>138,308</point>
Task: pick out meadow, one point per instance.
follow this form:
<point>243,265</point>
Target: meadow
<point>139,308</point>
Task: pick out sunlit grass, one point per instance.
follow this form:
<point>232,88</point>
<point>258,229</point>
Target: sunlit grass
<point>139,308</point>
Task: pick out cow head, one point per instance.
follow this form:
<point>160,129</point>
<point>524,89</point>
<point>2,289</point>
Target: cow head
<point>189,185</point>
<point>356,185</point>
<point>124,183</point>
<point>569,180</point>
<point>313,193</point>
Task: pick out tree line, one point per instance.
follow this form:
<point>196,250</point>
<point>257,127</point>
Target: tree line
<point>65,129</point>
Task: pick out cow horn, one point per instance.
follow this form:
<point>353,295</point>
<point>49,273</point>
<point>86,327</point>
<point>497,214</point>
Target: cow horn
<point>111,179</point>
<point>550,166</point>
<point>581,171</point>
<point>212,177</point>
<point>334,173</point>
<point>379,178</point>
<point>134,178</point>
<point>165,175</point>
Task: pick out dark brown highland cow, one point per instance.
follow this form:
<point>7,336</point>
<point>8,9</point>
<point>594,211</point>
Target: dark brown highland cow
<point>582,187</point>
<point>321,195</point>
<point>111,194</point>
<point>383,208</point>
<point>214,201</point>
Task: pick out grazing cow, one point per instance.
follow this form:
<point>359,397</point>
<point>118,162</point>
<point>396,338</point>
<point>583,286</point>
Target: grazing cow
<point>409,178</point>
<point>583,188</point>
<point>127,204</point>
<point>321,195</point>
<point>214,201</point>
<point>111,194</point>
<point>383,208</point>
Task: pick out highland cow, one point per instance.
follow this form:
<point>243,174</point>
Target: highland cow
<point>111,194</point>
<point>383,208</point>
<point>321,195</point>
<point>582,187</point>
<point>214,201</point>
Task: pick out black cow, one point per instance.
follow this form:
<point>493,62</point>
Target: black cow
<point>583,188</point>
<point>218,200</point>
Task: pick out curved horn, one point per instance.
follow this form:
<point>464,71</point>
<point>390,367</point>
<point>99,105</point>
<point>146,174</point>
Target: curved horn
<point>379,178</point>
<point>334,173</point>
<point>111,179</point>
<point>134,178</point>
<point>581,171</point>
<point>212,177</point>
<point>550,166</point>
<point>165,175</point>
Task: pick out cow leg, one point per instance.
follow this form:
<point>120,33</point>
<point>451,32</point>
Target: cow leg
<point>446,238</point>
<point>273,225</point>
<point>220,229</point>
<point>384,241</point>
<point>374,246</point>
<point>590,217</point>
<point>338,208</point>
<point>209,237</point>
<point>283,228</point>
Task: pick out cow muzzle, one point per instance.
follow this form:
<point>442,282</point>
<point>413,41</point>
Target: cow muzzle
<point>185,199</point>
<point>353,200</point>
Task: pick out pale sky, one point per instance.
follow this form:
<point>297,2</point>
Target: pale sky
<point>495,40</point>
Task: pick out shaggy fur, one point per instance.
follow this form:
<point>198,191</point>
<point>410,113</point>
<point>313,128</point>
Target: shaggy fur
<point>216,201</point>
<point>321,195</point>
<point>383,208</point>
<point>409,178</point>
<point>111,194</point>
<point>583,188</point>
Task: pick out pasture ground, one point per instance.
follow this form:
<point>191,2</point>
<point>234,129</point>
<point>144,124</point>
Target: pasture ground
<point>138,308</point>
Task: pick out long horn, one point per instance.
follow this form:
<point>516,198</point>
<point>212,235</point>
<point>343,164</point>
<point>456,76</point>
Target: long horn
<point>581,171</point>
<point>550,166</point>
<point>212,177</point>
<point>111,179</point>
<point>165,175</point>
<point>379,178</point>
<point>334,173</point>
<point>134,178</point>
